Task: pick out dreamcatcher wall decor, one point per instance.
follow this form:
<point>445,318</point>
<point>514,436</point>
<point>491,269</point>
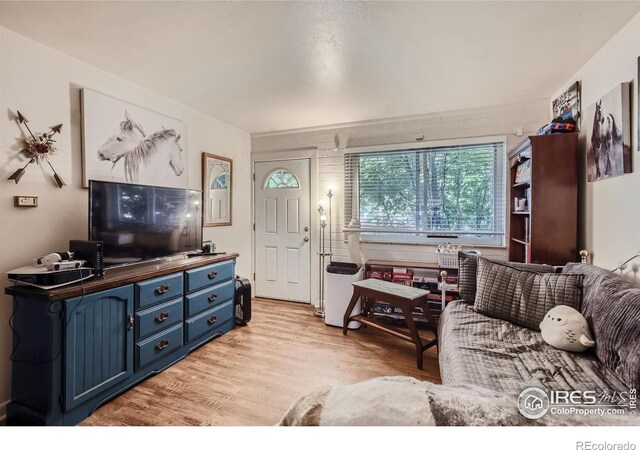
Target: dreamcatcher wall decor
<point>38,149</point>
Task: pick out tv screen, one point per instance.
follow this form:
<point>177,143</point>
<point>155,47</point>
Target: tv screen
<point>138,223</point>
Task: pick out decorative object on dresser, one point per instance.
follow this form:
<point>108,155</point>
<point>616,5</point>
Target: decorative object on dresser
<point>38,150</point>
<point>217,182</point>
<point>128,144</point>
<point>546,232</point>
<point>77,347</point>
<point>607,130</point>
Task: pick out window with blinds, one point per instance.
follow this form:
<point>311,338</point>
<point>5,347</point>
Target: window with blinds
<point>453,193</point>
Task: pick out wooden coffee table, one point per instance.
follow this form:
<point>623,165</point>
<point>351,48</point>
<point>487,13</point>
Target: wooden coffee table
<point>406,298</point>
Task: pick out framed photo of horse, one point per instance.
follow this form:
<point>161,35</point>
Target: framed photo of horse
<point>126,143</point>
<point>607,127</point>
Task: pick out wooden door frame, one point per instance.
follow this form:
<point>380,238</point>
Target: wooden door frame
<point>311,154</point>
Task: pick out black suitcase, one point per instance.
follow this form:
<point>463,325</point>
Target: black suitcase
<point>242,301</point>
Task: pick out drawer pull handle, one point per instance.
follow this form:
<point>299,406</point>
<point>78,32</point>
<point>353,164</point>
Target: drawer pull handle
<point>212,320</point>
<point>162,289</point>
<point>163,344</point>
<point>212,275</point>
<point>213,297</point>
<point>162,317</point>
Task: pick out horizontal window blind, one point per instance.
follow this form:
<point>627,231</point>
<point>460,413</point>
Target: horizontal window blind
<point>447,191</point>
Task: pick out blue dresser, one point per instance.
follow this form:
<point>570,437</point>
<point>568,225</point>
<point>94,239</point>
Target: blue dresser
<point>79,346</point>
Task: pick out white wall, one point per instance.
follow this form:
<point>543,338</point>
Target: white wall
<point>44,85</point>
<point>490,121</point>
<point>610,208</point>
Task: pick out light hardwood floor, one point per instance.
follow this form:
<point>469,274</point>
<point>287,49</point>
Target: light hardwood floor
<point>251,375</point>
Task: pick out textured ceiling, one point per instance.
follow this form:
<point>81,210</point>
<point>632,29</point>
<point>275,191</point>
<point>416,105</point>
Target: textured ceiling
<point>270,66</point>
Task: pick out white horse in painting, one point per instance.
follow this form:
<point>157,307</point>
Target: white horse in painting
<point>148,162</point>
<point>125,139</point>
<point>146,158</point>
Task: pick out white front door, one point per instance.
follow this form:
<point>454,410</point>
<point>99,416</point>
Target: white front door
<point>282,218</point>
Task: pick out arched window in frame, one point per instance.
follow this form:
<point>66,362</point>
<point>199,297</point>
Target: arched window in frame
<point>281,179</point>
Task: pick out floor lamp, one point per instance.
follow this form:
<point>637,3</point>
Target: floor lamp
<point>318,310</point>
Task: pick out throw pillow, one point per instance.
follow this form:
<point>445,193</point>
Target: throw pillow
<point>468,271</point>
<point>566,329</point>
<point>522,297</point>
<point>611,305</point>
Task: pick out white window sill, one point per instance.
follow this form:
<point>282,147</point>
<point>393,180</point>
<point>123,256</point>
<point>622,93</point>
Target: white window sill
<point>411,240</point>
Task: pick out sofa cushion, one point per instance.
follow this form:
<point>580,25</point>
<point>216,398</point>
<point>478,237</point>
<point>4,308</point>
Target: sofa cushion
<point>495,354</point>
<point>522,297</point>
<point>611,306</point>
<point>468,272</point>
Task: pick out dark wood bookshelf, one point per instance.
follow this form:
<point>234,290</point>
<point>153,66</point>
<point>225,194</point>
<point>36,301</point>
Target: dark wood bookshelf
<point>547,232</point>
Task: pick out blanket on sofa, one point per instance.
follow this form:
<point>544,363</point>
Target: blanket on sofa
<point>393,401</point>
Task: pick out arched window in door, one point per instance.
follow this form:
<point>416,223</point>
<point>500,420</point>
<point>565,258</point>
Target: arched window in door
<point>281,179</point>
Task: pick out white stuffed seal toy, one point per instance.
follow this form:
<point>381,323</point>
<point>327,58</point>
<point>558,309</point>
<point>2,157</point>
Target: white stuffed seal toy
<point>566,329</point>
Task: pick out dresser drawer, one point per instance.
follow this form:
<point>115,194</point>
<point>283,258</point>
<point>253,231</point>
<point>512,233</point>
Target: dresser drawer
<point>158,346</point>
<point>209,275</point>
<point>158,318</point>
<point>208,298</point>
<point>209,320</point>
<point>157,290</point>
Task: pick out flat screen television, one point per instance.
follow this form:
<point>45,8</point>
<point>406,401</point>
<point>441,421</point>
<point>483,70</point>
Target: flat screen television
<point>137,223</point>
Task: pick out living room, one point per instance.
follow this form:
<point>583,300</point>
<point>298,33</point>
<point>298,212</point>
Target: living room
<point>343,112</point>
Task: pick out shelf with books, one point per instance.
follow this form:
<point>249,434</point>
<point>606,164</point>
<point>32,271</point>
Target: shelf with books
<point>425,276</point>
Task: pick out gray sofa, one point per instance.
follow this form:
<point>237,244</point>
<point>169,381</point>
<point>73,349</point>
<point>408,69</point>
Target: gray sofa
<point>482,351</point>
<point>485,363</point>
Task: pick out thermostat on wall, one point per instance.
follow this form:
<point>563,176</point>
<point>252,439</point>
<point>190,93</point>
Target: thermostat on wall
<point>22,200</point>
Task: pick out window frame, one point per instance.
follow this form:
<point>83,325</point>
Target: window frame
<point>498,240</point>
<point>265,185</point>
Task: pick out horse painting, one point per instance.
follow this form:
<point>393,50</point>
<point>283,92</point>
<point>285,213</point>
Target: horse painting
<point>125,143</point>
<point>129,135</point>
<point>145,159</point>
<point>605,136</point>
<point>608,152</point>
<point>150,159</point>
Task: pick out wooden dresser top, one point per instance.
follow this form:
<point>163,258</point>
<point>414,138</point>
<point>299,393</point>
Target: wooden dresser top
<point>119,276</point>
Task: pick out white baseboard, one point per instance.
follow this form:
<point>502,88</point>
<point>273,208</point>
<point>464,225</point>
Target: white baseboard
<point>3,411</point>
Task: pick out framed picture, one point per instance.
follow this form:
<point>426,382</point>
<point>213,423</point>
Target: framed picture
<point>125,143</point>
<point>607,127</point>
<point>523,171</point>
<point>567,104</point>
<point>217,177</point>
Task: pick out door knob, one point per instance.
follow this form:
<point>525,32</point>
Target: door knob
<point>306,228</point>
<point>306,239</point>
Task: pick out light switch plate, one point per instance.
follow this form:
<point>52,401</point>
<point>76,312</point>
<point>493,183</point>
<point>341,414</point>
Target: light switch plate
<point>20,201</point>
